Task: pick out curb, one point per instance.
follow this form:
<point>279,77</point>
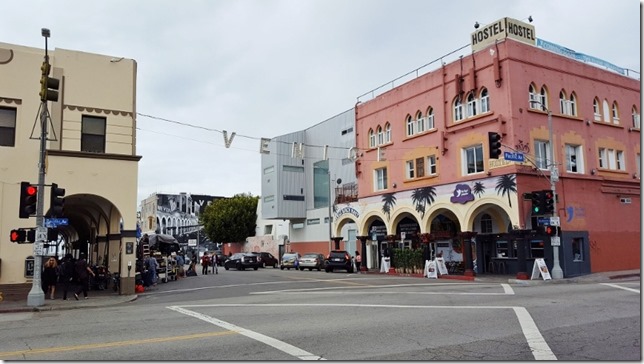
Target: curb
<point>98,304</point>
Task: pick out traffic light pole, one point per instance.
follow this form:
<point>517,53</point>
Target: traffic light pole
<point>557,272</point>
<point>36,296</point>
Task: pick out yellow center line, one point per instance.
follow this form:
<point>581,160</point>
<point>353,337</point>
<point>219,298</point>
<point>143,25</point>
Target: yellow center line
<point>112,344</point>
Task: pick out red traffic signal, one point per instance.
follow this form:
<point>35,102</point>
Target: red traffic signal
<point>18,236</point>
<point>551,230</point>
<point>28,200</point>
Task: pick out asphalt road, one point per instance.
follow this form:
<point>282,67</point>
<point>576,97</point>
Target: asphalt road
<point>271,314</point>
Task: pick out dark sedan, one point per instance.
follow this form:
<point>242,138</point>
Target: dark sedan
<point>241,261</point>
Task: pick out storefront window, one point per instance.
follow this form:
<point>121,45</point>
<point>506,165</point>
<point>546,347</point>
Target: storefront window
<point>502,249</point>
<point>536,249</point>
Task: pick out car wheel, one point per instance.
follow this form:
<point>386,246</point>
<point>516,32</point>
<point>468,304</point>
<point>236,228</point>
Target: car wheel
<point>263,265</point>
<point>289,268</point>
<point>255,268</point>
<point>319,269</point>
<point>281,267</point>
<point>327,270</point>
<point>226,268</point>
<point>274,265</point>
<point>310,269</point>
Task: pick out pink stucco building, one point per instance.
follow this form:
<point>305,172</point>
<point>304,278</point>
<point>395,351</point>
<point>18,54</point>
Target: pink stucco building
<point>425,166</point>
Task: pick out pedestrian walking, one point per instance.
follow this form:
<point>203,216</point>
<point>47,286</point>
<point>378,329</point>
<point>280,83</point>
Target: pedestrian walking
<point>83,272</point>
<point>152,266</point>
<point>358,261</point>
<point>50,277</point>
<point>205,263</point>
<point>67,273</point>
<point>214,260</point>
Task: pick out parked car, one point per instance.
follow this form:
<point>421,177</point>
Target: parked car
<point>290,260</point>
<point>312,261</point>
<point>338,259</point>
<point>241,261</point>
<point>266,259</point>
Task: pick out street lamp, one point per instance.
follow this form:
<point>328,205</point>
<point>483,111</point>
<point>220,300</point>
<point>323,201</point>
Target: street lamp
<point>555,241</point>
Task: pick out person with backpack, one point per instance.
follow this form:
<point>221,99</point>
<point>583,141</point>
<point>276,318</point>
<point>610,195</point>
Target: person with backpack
<point>67,274</point>
<point>82,273</point>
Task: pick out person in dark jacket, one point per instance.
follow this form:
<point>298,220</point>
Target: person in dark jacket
<point>67,273</point>
<point>83,272</point>
<point>50,277</point>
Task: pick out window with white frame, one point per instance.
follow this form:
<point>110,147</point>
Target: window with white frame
<point>387,133</point>
<point>615,111</point>
<point>563,103</point>
<point>611,159</point>
<point>473,158</point>
<point>606,113</point>
<point>471,105</point>
<point>603,158</point>
<point>567,105</point>
<point>381,136</point>
<point>410,126</point>
<point>533,97</point>
<point>572,105</point>
<point>458,109</point>
<point>574,159</point>
<point>486,224</point>
<point>636,118</point>
<point>372,139</point>
<point>543,98</point>
<point>541,153</point>
<point>431,165</point>
<point>411,169</point>
<point>485,101</point>
<point>430,118</point>
<point>420,123</point>
<point>420,167</point>
<point>620,160</point>
<point>380,179</point>
<point>596,110</point>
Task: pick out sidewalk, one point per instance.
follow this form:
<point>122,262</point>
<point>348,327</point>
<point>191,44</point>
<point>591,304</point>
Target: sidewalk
<point>96,299</point>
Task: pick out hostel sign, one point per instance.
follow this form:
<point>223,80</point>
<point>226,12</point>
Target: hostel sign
<point>501,29</point>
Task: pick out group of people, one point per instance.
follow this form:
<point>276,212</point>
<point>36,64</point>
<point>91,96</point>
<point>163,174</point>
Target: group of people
<point>209,261</point>
<point>70,273</point>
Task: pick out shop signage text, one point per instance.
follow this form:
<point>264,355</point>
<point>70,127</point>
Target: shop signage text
<point>500,29</point>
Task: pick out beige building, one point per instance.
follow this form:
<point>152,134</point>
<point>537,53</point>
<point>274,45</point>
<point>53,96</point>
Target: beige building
<point>90,152</point>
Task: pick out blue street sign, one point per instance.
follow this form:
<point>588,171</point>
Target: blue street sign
<point>514,156</point>
<point>543,221</point>
<point>55,222</point>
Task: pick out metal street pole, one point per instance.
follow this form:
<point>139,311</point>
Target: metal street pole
<point>555,241</point>
<point>330,216</point>
<point>36,296</point>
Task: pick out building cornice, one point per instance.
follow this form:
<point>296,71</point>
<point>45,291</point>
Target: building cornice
<point>75,154</point>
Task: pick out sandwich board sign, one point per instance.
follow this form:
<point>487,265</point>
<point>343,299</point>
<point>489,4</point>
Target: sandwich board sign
<point>442,268</point>
<point>540,268</point>
<point>430,269</point>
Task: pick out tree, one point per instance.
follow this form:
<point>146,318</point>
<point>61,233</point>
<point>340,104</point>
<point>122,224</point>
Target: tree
<point>232,219</point>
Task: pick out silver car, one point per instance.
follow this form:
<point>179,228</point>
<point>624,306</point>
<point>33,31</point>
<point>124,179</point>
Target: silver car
<point>312,261</point>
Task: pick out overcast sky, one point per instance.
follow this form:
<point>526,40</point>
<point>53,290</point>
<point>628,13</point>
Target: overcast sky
<point>263,68</point>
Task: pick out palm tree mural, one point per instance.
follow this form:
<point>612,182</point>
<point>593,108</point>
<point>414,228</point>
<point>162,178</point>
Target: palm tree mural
<point>478,189</point>
<point>423,197</point>
<point>388,202</point>
<point>505,185</point>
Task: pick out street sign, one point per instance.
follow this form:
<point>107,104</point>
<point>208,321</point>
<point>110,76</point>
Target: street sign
<point>555,241</point>
<point>543,221</point>
<point>55,222</point>
<point>554,221</point>
<point>192,242</point>
<point>38,247</point>
<point>514,156</point>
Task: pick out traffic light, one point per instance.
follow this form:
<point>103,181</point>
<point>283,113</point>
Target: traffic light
<point>18,236</point>
<point>48,85</point>
<point>550,230</point>
<point>494,144</point>
<point>28,199</point>
<point>537,202</point>
<point>548,202</point>
<point>56,200</point>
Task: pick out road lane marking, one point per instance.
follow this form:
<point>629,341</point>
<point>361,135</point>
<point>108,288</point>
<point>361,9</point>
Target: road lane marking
<point>507,290</point>
<point>538,346</point>
<point>113,344</point>
<point>621,287</point>
<point>386,292</point>
<point>277,344</point>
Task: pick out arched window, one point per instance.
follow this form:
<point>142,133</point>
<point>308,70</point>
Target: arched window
<point>410,126</point>
<point>387,133</point>
<point>420,122</point>
<point>430,118</point>
<point>606,109</point>
<point>372,139</point>
<point>615,113</point>
<point>597,110</point>
<point>471,104</point>
<point>572,104</point>
<point>563,102</point>
<point>543,98</point>
<point>458,109</point>
<point>532,97</point>
<point>636,118</point>
<point>485,100</point>
<point>381,136</point>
